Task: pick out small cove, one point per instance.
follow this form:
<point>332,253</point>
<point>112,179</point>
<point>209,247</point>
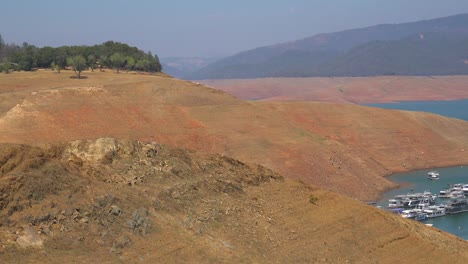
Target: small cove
<point>416,181</point>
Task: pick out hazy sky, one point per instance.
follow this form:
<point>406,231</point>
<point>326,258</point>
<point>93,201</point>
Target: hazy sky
<point>202,27</point>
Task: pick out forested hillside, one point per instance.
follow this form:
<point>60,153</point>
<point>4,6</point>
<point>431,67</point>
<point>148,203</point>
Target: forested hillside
<point>430,47</point>
<point>423,54</point>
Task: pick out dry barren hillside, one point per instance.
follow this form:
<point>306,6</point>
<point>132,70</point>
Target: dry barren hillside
<point>124,201</point>
<point>341,147</point>
<point>347,89</point>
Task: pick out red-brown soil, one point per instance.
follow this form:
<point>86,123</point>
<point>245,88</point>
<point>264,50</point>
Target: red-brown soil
<point>340,147</point>
<point>111,201</point>
<point>123,201</point>
<point>346,89</point>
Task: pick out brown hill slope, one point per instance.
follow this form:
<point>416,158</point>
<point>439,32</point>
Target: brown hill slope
<point>123,201</point>
<point>347,89</point>
<point>345,148</point>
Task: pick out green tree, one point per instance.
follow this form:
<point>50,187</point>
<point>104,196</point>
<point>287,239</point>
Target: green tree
<point>158,66</point>
<point>78,63</point>
<point>155,65</point>
<point>92,62</point>
<point>23,59</point>
<point>43,57</point>
<point>56,67</point>
<point>130,63</point>
<point>5,67</point>
<point>142,65</point>
<point>26,57</point>
<point>103,61</point>
<point>61,57</point>
<point>117,60</point>
<point>2,45</point>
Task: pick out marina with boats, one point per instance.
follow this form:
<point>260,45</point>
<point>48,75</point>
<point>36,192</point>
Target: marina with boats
<point>419,181</point>
<point>424,205</point>
<point>441,203</point>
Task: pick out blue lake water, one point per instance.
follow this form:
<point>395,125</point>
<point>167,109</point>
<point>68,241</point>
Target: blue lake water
<point>456,109</point>
<point>417,181</point>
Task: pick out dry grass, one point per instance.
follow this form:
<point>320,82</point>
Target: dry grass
<point>347,89</point>
<point>341,147</point>
<point>180,206</point>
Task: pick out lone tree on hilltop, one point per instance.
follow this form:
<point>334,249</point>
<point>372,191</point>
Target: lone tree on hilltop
<point>117,60</point>
<point>78,63</point>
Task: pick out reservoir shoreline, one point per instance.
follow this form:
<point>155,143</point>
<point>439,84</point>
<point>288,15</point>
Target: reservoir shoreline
<point>401,185</point>
<point>453,108</point>
<point>415,180</point>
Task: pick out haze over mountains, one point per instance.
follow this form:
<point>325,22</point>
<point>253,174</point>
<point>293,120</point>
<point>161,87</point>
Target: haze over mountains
<point>428,47</point>
<point>181,67</point>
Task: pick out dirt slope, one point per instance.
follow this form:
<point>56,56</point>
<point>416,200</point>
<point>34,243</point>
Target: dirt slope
<point>341,147</point>
<point>346,89</point>
<point>124,201</point>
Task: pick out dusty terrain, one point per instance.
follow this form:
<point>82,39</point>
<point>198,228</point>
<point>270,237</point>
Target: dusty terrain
<point>124,201</point>
<point>347,89</point>
<point>94,199</point>
<point>340,147</point>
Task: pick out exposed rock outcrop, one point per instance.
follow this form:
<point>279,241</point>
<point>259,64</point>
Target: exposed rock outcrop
<point>112,200</point>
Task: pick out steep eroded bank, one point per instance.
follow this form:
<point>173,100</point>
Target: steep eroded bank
<point>127,201</point>
<point>341,147</point>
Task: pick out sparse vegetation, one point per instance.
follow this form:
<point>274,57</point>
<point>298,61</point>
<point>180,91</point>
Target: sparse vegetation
<point>87,211</point>
<point>313,199</point>
<point>55,67</point>
<point>341,89</point>
<point>78,63</point>
<point>140,223</point>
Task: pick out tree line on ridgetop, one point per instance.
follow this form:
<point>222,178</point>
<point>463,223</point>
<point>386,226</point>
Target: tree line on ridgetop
<point>109,54</point>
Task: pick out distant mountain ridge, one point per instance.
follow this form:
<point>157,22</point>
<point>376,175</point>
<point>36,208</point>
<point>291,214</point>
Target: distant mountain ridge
<point>181,67</point>
<point>344,53</point>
